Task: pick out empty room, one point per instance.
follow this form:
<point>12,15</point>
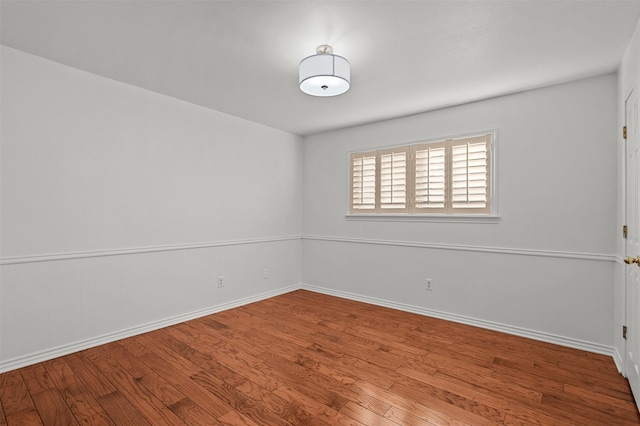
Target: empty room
<point>319,212</point>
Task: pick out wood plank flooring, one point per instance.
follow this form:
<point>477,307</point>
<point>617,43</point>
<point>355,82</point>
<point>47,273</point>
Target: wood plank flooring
<point>309,359</point>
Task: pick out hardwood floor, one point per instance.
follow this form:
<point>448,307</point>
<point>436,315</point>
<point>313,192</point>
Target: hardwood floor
<point>305,358</point>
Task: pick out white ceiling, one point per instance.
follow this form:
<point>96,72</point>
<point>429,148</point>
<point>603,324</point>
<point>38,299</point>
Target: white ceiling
<point>241,57</point>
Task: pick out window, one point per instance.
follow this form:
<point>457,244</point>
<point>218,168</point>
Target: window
<point>451,177</point>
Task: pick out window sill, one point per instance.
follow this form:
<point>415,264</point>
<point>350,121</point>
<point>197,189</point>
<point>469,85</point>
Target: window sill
<point>469,218</point>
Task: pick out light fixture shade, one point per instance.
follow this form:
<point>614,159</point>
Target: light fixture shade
<point>324,74</point>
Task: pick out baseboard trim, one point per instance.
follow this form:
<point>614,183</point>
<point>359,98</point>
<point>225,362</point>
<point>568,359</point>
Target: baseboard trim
<point>35,358</point>
<point>617,358</point>
<point>459,247</point>
<point>490,325</point>
<point>137,250</point>
<point>48,354</point>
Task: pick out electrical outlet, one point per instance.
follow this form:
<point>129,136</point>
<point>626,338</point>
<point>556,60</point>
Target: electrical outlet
<point>265,274</point>
<point>221,281</point>
<point>428,284</point>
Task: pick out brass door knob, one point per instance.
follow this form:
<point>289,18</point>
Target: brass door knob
<point>632,260</point>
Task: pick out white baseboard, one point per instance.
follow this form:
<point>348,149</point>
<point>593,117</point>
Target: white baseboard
<point>490,325</point>
<point>34,358</point>
<point>617,358</point>
<point>48,354</point>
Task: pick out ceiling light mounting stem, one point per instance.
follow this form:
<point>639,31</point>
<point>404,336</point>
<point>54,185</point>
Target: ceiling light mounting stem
<point>324,49</point>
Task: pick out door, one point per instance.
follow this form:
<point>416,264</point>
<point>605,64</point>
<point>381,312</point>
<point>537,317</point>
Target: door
<point>632,281</point>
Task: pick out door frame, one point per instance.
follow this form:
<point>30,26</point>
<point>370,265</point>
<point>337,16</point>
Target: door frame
<point>635,86</point>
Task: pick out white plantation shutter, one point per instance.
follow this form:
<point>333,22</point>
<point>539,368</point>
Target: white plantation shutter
<point>393,179</point>
<point>470,175</point>
<point>430,178</point>
<point>447,177</point>
<point>363,182</point>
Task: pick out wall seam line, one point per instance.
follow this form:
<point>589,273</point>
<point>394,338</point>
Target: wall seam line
<point>471,248</point>
<point>139,250</point>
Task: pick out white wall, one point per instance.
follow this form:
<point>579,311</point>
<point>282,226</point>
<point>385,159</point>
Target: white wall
<point>118,214</point>
<point>628,77</point>
<point>544,270</point>
<point>120,207</point>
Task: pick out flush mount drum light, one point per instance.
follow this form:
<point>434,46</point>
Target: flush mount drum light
<point>324,74</point>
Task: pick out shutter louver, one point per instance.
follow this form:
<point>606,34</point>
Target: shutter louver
<point>470,174</point>
<point>430,177</point>
<point>393,180</point>
<point>363,182</point>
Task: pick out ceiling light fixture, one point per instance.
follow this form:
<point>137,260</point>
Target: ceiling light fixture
<point>324,74</point>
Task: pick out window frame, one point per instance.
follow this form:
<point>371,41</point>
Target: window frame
<point>411,212</point>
